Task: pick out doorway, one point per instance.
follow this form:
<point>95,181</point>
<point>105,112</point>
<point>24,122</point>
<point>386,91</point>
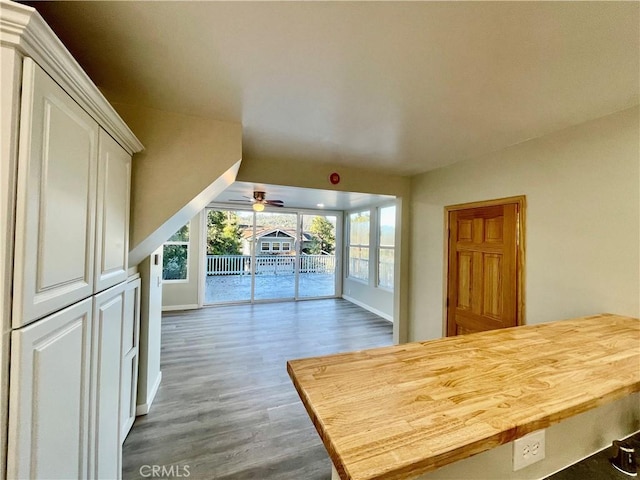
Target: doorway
<point>485,265</point>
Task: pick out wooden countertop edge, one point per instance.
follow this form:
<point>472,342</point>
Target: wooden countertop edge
<point>317,423</point>
<point>464,451</point>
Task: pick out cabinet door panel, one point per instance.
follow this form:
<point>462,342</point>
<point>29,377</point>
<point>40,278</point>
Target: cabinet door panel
<point>49,404</point>
<point>130,344</point>
<point>112,218</point>
<point>56,195</point>
<point>106,351</point>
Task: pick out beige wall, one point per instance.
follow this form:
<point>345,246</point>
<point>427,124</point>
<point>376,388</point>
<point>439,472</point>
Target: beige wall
<point>187,161</point>
<point>582,221</point>
<point>184,295</point>
<point>313,175</point>
<point>567,442</point>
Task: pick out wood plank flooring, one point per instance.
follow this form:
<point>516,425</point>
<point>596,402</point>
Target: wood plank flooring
<point>226,408</point>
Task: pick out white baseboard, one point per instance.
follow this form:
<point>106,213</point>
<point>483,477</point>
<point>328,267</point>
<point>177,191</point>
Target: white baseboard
<point>386,316</point>
<point>145,407</point>
<point>172,308</point>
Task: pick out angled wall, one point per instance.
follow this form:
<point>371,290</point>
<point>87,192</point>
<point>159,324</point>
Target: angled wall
<point>187,161</point>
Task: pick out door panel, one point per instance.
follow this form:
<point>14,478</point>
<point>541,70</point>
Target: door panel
<point>130,346</point>
<point>107,355</point>
<point>482,283</point>
<point>112,218</point>
<point>49,411</point>
<point>276,247</point>
<point>317,264</point>
<point>54,248</point>
<point>465,276</point>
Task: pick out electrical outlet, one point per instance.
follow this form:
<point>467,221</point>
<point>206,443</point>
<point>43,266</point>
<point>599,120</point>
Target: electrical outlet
<point>528,449</point>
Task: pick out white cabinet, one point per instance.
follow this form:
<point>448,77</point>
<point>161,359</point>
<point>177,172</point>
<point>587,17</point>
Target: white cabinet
<point>112,214</point>
<point>49,400</point>
<point>65,172</point>
<point>130,342</point>
<point>104,440</point>
<point>56,198</point>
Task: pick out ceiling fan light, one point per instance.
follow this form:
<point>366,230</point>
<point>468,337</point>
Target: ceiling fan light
<point>258,207</point>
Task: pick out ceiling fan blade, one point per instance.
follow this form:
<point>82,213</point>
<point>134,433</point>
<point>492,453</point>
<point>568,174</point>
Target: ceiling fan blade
<point>235,200</point>
<point>275,203</point>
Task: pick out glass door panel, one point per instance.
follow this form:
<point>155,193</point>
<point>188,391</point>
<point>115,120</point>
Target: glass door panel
<point>228,260</point>
<point>317,277</point>
<point>276,247</point>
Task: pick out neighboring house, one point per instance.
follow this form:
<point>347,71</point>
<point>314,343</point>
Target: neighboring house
<point>274,241</point>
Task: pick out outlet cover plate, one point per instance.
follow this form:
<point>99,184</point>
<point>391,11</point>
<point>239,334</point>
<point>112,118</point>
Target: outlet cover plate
<point>528,449</point>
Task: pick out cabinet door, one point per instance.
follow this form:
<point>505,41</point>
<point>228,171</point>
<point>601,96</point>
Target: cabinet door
<point>105,446</point>
<point>130,332</point>
<point>56,195</point>
<point>112,214</point>
<point>49,396</point>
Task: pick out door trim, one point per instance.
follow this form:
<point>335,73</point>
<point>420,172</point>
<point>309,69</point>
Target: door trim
<point>520,200</point>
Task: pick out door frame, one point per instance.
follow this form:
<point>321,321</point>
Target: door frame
<point>520,200</point>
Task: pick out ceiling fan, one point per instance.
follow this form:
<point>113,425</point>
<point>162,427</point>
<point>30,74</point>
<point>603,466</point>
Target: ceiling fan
<point>259,201</point>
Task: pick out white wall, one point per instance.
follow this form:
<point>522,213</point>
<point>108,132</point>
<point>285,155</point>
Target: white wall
<point>149,374</point>
<point>183,295</point>
<point>582,221</point>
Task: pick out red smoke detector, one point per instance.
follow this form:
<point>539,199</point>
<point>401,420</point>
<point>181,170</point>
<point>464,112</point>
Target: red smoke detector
<point>334,178</point>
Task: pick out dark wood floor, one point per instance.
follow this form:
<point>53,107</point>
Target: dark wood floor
<point>226,407</point>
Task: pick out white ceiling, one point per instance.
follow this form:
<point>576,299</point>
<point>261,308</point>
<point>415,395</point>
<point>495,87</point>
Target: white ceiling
<point>400,87</point>
<point>302,198</point>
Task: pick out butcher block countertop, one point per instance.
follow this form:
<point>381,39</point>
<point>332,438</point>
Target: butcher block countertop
<point>396,412</point>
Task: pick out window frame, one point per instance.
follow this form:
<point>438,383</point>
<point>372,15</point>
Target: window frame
<point>380,247</point>
<point>350,245</point>
<point>186,243</point>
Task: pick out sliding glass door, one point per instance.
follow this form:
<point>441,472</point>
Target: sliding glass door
<point>269,256</point>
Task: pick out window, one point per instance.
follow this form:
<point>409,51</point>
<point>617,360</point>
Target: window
<point>359,245</point>
<point>275,246</point>
<point>175,260</point>
<point>264,246</point>
<point>386,245</point>
<point>286,246</point>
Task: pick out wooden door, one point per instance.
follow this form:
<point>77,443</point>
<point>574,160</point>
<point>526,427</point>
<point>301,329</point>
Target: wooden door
<point>482,290</point>
<point>50,397</point>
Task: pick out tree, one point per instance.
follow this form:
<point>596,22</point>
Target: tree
<point>223,233</point>
<point>325,241</point>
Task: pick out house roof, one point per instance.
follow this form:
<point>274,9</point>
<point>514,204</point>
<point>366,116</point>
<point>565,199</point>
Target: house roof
<point>247,233</point>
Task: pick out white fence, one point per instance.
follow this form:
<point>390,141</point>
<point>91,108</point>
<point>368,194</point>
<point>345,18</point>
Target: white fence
<point>269,264</point>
